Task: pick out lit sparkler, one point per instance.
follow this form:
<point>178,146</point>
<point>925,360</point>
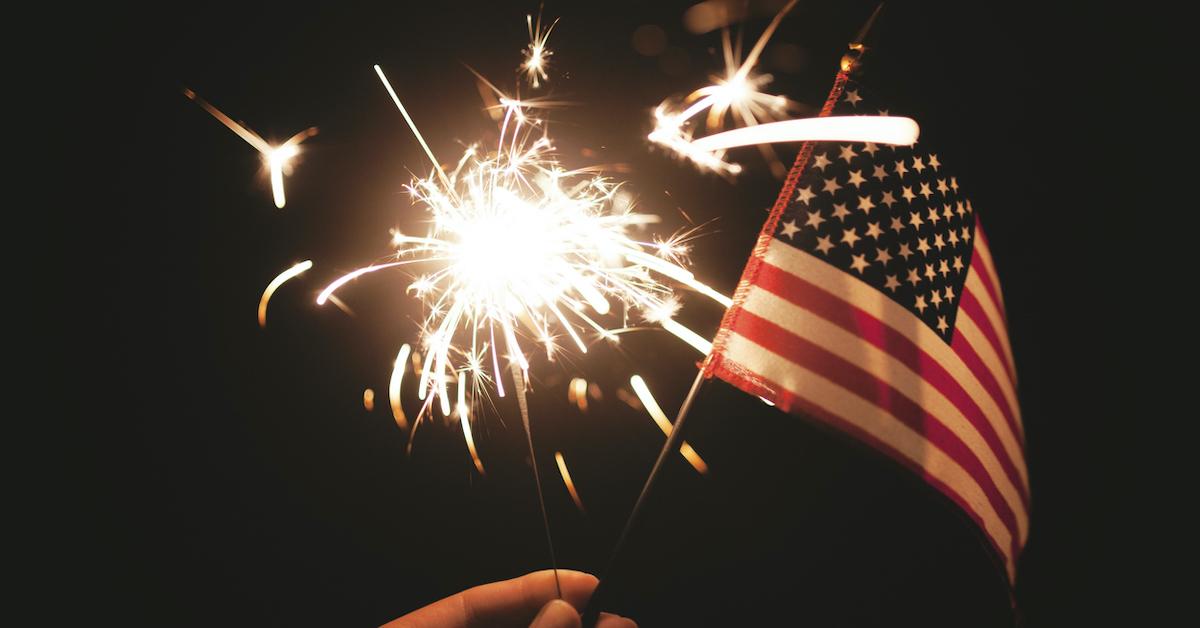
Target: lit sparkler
<point>566,476</point>
<point>279,280</point>
<point>660,418</point>
<point>278,159</point>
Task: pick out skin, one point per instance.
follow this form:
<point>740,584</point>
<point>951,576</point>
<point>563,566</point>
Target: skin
<point>530,600</point>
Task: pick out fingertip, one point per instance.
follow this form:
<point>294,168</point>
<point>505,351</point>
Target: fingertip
<point>608,620</point>
<point>577,586</point>
<point>556,614</point>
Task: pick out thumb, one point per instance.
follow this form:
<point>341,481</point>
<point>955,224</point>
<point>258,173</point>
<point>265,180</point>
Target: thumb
<point>556,614</point>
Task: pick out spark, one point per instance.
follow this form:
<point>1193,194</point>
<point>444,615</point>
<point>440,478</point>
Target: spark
<point>522,251</point>
<point>660,417</point>
<point>537,55</point>
<point>566,476</point>
<point>394,386</point>
<point>577,393</point>
<point>465,419</point>
<point>369,400</point>
<point>279,280</point>
<point>277,158</point>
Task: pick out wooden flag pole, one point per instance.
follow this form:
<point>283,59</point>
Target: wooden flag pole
<point>849,63</point>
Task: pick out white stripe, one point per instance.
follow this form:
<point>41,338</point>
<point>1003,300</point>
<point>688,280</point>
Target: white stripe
<point>971,334</point>
<point>883,366</point>
<point>878,423</point>
<point>976,288</point>
<point>989,264</point>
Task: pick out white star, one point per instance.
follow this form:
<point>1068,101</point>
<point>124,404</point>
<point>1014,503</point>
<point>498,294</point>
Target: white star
<point>850,236</point>
<point>831,185</point>
<point>913,277</point>
<point>865,204</point>
<point>896,225</point>
<point>923,245</point>
<point>933,216</point>
<point>907,193</point>
<point>888,199</point>
<point>918,165</point>
<point>789,229</point>
<point>859,263</point>
<point>962,209</point>
<point>939,243</point>
<point>820,161</point>
<point>920,305</point>
<point>852,97</point>
<point>947,211</point>
<point>935,298</point>
<point>804,195</point>
<point>953,238</point>
<point>856,179</point>
<point>814,220</point>
<point>930,272</point>
<point>934,163</point>
<point>949,294</point>
<point>942,187</point>
<point>874,231</point>
<point>840,212</point>
<point>966,234</point>
<point>925,191</point>
<point>882,256</point>
<point>848,153</point>
<point>942,326</point>
<point>958,265</point>
<point>900,169</point>
<point>969,208</point>
<point>954,183</point>
<point>905,252</point>
<point>880,172</point>
<point>823,244</point>
<point>870,148</point>
<point>892,284</point>
<point>914,219</point>
<point>943,268</point>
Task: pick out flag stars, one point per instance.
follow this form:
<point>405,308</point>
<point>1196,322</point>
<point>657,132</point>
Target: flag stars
<point>814,220</point>
<point>958,265</point>
<point>859,263</point>
<point>920,304</point>
<point>941,324</point>
<point>852,97</point>
<point>848,153</point>
<point>824,244</point>
<point>891,283</point>
<point>804,195</point>
<point>914,219</point>
<point>923,245</point>
<point>789,229</point>
<point>882,256</point>
<point>925,191</point>
<point>865,204</point>
<point>954,183</point>
<point>947,211</point>
<point>856,179</point>
<point>966,234</point>
<point>935,298</point>
<point>953,238</point>
<point>905,251</point>
<point>913,277</point>
<point>880,172</point>
<point>874,231</point>
<point>840,212</point>
<point>897,225</point>
<point>939,242</point>
<point>918,165</point>
<point>820,161</point>
<point>831,186</point>
<point>933,216</point>
<point>870,148</point>
<point>934,163</point>
<point>930,273</point>
<point>949,294</point>
<point>942,187</point>
<point>943,268</point>
<point>962,209</point>
<point>901,169</point>
<point>850,236</point>
<point>889,199</point>
<point>907,193</point>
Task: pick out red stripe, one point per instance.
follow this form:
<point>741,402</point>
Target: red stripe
<point>829,307</point>
<point>862,383</point>
<point>790,403</point>
<point>969,303</point>
<point>985,272</point>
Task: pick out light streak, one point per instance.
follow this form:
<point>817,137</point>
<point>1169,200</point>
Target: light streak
<point>279,280</point>
<point>660,417</point>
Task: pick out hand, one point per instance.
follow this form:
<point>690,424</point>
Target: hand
<point>515,603</point>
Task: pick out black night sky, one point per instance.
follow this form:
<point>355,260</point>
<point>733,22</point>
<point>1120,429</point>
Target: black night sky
<point>223,474</point>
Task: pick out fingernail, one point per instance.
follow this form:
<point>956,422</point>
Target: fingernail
<point>556,614</point>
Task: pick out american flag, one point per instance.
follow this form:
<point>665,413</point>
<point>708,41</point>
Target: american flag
<point>871,303</point>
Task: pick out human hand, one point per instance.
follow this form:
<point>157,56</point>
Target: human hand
<point>530,600</point>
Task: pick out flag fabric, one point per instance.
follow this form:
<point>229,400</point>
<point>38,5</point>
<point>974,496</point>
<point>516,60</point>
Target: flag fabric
<point>871,303</point>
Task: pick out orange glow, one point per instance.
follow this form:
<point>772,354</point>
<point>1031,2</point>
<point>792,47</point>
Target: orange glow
<point>566,476</point>
<point>660,417</point>
<point>369,400</point>
<point>279,280</point>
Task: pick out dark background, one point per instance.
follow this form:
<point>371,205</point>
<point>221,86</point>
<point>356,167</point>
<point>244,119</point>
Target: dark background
<point>222,474</point>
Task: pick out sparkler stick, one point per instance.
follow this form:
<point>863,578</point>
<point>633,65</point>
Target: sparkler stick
<point>519,384</point>
<point>591,612</point>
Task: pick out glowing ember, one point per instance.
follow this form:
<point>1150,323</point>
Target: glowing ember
<point>566,476</point>
<point>536,53</point>
<point>660,417</point>
<point>279,280</point>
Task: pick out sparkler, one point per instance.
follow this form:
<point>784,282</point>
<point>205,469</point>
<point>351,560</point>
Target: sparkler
<point>566,476</point>
<point>279,280</point>
<point>278,159</point>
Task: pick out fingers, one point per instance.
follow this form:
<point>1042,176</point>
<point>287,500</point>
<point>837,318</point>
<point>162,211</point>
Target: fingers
<point>508,603</point>
<point>608,620</point>
<point>557,614</point>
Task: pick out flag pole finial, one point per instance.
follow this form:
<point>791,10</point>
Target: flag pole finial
<point>858,47</point>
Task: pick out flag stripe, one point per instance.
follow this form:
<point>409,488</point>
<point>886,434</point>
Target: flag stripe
<point>975,342</point>
<point>810,392</point>
<point>909,398</point>
<point>974,287</point>
<point>989,276</point>
<point>927,388</point>
<point>839,289</point>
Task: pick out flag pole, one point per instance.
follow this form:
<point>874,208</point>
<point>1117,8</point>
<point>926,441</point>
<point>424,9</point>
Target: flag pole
<point>848,64</point>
